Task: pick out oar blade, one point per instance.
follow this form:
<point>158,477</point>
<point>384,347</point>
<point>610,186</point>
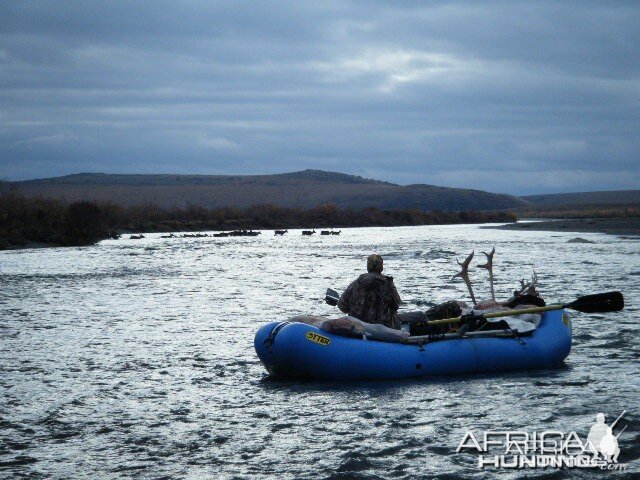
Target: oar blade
<point>332,297</point>
<point>598,303</point>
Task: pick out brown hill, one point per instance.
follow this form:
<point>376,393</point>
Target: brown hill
<point>618,197</point>
<point>304,189</point>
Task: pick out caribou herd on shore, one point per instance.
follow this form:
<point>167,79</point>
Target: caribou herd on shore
<point>238,233</point>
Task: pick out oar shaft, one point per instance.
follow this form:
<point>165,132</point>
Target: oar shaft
<point>444,321</point>
<point>448,336</point>
<point>506,313</point>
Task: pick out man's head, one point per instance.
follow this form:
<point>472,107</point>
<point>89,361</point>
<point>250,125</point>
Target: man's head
<point>600,418</point>
<point>374,264</point>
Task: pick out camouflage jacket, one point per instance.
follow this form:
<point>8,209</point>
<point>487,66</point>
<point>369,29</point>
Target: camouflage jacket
<point>372,298</point>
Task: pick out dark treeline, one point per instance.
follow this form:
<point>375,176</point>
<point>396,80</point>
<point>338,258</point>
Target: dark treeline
<point>29,221</point>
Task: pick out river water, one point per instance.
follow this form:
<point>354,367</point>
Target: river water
<point>134,358</point>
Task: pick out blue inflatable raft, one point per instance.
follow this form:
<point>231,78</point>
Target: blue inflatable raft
<point>299,350</point>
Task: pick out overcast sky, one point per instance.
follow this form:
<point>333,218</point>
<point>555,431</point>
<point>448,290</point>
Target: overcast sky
<point>517,97</point>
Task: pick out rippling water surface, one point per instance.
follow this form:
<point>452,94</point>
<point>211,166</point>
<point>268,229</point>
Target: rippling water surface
<point>135,358</point>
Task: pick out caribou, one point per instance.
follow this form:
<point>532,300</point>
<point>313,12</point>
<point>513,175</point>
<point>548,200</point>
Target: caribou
<point>526,288</point>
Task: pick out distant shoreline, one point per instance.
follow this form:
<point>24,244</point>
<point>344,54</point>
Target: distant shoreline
<point>204,227</point>
<point>38,222</point>
<point>612,226</point>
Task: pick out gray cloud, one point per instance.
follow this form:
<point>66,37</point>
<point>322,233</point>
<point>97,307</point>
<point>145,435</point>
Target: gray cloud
<point>518,97</point>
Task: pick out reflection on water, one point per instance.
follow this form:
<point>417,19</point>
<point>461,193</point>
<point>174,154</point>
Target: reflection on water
<point>134,357</point>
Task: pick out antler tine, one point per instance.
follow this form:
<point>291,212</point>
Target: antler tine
<point>464,274</point>
<point>531,289</point>
<point>489,263</point>
<point>489,267</point>
<point>464,265</point>
<point>528,286</point>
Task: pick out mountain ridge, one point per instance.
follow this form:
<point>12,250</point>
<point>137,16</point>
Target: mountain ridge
<point>197,179</point>
<point>600,197</point>
<point>305,189</point>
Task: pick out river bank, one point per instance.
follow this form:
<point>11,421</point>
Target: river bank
<point>27,222</point>
<point>612,226</point>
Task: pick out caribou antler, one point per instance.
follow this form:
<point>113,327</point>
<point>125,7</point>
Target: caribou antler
<point>489,267</point>
<point>528,287</point>
<point>464,274</point>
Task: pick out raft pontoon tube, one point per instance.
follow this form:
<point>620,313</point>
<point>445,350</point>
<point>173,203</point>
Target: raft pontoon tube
<point>303,351</point>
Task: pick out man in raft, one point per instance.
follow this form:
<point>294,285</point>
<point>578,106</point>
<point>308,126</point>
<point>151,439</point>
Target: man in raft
<point>372,297</point>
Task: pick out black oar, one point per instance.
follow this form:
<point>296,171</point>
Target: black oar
<point>332,297</point>
<point>596,303</point>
